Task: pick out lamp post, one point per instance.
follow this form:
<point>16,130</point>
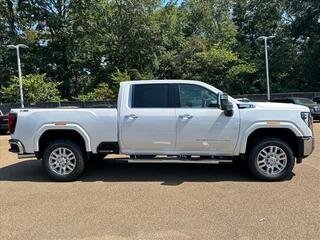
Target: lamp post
<point>19,68</point>
<point>265,38</point>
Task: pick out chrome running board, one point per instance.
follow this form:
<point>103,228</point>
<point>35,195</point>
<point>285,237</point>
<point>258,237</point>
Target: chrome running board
<point>31,155</point>
<point>202,161</point>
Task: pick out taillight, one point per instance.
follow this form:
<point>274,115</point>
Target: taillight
<point>12,121</point>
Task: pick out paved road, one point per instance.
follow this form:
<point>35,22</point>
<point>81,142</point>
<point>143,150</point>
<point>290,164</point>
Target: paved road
<point>152,201</point>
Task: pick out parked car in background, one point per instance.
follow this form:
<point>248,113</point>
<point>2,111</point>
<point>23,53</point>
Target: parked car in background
<point>3,123</point>
<point>243,99</point>
<point>313,106</point>
<point>316,99</point>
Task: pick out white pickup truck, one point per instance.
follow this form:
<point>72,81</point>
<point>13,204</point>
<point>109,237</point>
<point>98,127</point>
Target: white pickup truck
<point>167,121</point>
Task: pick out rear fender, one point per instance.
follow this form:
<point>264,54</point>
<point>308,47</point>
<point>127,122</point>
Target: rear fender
<point>61,126</point>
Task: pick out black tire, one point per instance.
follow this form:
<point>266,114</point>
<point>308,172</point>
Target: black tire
<point>253,159</point>
<point>80,160</point>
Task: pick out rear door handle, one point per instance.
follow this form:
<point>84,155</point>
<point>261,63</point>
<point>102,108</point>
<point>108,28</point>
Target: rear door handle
<point>185,116</point>
<point>131,116</point>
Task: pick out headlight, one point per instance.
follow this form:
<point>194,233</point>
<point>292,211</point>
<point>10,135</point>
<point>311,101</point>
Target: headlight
<point>306,117</point>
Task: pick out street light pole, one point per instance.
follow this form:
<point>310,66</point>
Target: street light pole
<point>20,78</point>
<point>19,69</point>
<point>267,66</point>
<point>265,38</point>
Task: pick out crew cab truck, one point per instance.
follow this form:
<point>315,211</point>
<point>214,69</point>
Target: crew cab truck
<point>167,121</point>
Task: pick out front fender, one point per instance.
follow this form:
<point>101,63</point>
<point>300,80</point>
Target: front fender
<point>64,126</point>
<point>271,124</point>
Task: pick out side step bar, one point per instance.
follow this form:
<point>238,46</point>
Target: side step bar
<point>202,161</point>
<point>26,155</point>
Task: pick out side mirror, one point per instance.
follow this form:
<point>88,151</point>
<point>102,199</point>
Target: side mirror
<point>225,105</point>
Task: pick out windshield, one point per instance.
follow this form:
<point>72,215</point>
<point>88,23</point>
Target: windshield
<point>303,101</point>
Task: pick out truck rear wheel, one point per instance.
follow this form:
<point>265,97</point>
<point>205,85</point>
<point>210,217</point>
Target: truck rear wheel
<point>271,159</point>
<point>63,160</point>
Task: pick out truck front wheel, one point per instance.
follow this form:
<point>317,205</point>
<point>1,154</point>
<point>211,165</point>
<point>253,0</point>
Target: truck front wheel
<point>63,160</point>
<point>271,159</point>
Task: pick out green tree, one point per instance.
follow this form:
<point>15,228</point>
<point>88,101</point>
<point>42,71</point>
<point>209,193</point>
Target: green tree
<point>100,93</point>
<point>117,78</point>
<point>84,43</point>
<point>303,18</point>
<point>35,88</point>
<point>210,19</point>
<point>221,68</point>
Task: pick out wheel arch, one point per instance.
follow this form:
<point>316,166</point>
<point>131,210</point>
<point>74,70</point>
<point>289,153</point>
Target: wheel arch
<point>51,132</point>
<point>283,133</point>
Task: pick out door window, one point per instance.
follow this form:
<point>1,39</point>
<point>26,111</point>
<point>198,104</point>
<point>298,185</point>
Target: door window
<point>193,96</point>
<point>150,96</point>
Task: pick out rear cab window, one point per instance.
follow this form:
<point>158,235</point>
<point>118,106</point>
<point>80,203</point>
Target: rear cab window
<point>152,96</point>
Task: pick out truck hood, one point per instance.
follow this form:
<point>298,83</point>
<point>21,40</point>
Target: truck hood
<point>281,106</point>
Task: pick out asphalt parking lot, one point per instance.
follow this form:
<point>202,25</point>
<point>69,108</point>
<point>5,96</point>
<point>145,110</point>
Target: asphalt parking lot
<point>116,200</point>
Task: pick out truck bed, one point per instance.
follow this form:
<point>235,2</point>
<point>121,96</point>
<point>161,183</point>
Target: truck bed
<point>100,125</point>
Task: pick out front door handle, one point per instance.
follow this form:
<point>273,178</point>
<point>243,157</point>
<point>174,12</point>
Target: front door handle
<point>185,116</point>
<point>131,116</point>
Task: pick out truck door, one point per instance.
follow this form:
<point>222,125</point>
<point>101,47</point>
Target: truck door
<point>202,127</point>
<point>148,121</point>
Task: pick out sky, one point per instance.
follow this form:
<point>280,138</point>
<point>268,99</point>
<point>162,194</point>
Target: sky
<point>178,1</point>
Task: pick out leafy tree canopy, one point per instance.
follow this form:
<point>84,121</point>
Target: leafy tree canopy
<point>35,89</point>
<point>87,45</point>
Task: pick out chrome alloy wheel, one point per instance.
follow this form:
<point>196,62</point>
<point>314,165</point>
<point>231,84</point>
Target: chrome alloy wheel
<point>62,161</point>
<point>271,160</point>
